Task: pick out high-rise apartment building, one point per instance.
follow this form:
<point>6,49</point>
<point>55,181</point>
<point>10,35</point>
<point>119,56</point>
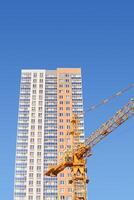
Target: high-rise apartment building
<point>47,100</point>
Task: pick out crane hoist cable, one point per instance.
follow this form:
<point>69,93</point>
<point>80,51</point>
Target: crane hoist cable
<point>107,100</point>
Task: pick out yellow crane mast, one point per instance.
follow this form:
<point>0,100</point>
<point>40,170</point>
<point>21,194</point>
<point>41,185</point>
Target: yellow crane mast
<point>76,157</point>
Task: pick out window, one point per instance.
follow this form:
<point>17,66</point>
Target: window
<point>61,127</point>
<point>39,121</point>
<point>38,168</point>
<point>61,133</point>
<point>38,175</point>
<point>39,114</point>
<point>60,91</point>
<point>61,189</point>
<point>68,127</point>
<point>38,190</point>
<point>40,91</point>
<point>34,85</point>
<point>68,139</point>
<point>31,161</point>
<point>34,103</point>
<point>61,139</point>
<point>69,189</point>
<point>40,103</point>
<point>35,75</point>
<point>30,197</point>
<point>62,197</point>
<point>32,140</point>
<point>39,147</point>
<point>41,80</point>
<point>32,114</point>
<point>38,153</point>
<point>68,198</point>
<point>32,133</point>
<point>40,97</point>
<point>30,175</point>
<point>61,174</point>
<point>41,75</point>
<point>67,91</point>
<point>30,182</point>
<point>39,134</point>
<point>34,80</point>
<point>31,169</point>
<point>39,161</point>
<point>34,91</point>
<point>39,127</point>
<point>69,175</point>
<point>32,121</point>
<point>31,146</point>
<point>31,153</point>
<point>39,140</point>
<point>61,182</point>
<point>61,97</point>
<point>40,108</point>
<point>68,96</point>
<point>32,127</point>
<point>41,86</point>
<point>34,97</point>
<point>38,182</point>
<point>33,108</point>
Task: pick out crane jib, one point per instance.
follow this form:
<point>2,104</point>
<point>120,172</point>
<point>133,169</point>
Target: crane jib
<point>121,116</point>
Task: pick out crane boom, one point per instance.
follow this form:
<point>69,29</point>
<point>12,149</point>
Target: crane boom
<point>121,116</point>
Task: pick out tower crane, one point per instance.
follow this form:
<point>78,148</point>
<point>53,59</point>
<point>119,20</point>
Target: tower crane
<point>75,158</point>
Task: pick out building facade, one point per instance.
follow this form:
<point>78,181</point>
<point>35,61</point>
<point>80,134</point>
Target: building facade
<point>47,100</point>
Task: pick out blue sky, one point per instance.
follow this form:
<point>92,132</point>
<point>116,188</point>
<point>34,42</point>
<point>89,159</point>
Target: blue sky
<point>97,36</point>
